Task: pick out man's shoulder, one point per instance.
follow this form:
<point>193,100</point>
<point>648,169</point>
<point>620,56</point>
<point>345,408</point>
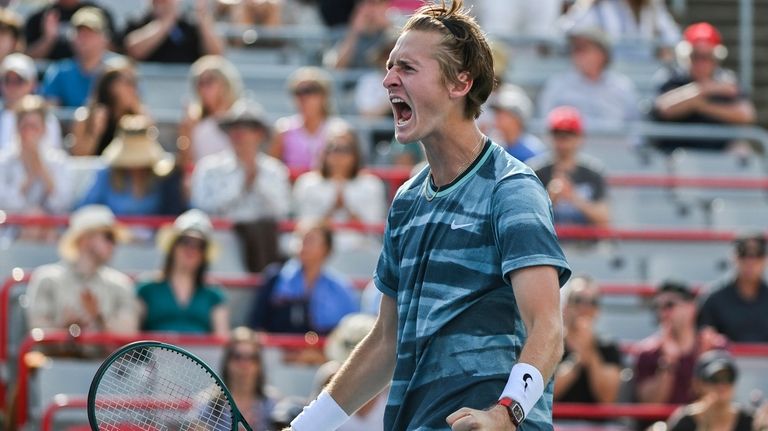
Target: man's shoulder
<point>272,165</point>
<point>115,278</point>
<point>220,160</point>
<point>591,165</point>
<point>51,272</point>
<point>137,22</point>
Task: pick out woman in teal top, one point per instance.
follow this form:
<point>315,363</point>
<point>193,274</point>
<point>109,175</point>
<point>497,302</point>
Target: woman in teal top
<point>180,301</point>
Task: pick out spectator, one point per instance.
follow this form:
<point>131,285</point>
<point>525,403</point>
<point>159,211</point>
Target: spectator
<point>10,32</point>
<point>164,35</point>
<point>304,295</point>
<point>245,185</point>
<point>591,366</point>
<point>574,182</point>
<point>603,96</point>
<point>517,18</point>
<point>181,300</point>
<point>646,20</point>
<point>81,289</point>
<point>300,138</point>
<point>339,345</point>
<point>368,29</point>
<point>68,82</point>
<point>339,191</point>
<point>216,86</point>
<point>664,368</point>
<point>737,308</point>
<point>263,13</point>
<point>34,179</point>
<point>715,378</point>
<point>18,78</point>
<point>243,372</point>
<point>114,95</point>
<point>140,177</point>
<point>47,31</point>
<point>371,98</point>
<point>698,90</point>
<point>512,110</point>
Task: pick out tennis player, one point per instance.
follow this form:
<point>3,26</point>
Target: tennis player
<point>469,329</point>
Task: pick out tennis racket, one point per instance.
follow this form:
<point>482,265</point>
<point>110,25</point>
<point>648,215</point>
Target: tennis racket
<point>153,386</point>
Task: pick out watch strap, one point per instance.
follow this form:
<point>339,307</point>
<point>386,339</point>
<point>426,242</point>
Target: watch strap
<point>514,409</point>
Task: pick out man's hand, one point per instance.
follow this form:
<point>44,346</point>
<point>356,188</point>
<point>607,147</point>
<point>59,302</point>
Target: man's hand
<point>494,419</point>
<point>51,25</point>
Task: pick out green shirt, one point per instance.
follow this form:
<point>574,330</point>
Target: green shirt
<point>164,313</point>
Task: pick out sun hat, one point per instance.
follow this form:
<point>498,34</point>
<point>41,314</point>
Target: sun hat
<point>190,223</point>
<point>348,333</point>
<point>135,146</point>
<point>20,64</point>
<point>513,99</point>
<point>90,17</point>
<point>245,114</point>
<point>88,219</point>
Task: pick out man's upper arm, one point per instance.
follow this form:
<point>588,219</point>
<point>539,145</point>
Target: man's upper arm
<point>537,292</point>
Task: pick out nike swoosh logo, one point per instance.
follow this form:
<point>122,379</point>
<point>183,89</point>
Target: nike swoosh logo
<point>455,226</point>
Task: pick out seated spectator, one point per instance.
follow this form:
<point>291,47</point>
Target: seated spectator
<point>738,307</point>
<point>114,95</point>
<point>698,90</point>
<point>512,19</point>
<point>81,290</point>
<point>304,295</point>
<point>165,35</point>
<point>603,96</point>
<point>574,182</point>
<point>338,347</point>
<point>47,30</point>
<point>591,366</point>
<point>339,191</point>
<point>243,373</point>
<point>512,110</point>
<point>245,185</point>
<point>368,28</point>
<point>371,98</point>
<point>181,300</point>
<point>11,25</point>
<point>300,138</point>
<point>646,20</point>
<point>34,180</point>
<point>18,78</point>
<point>140,177</point>
<point>217,85</point>
<point>714,383</point>
<point>68,82</point>
<point>262,13</point>
<point>665,360</point>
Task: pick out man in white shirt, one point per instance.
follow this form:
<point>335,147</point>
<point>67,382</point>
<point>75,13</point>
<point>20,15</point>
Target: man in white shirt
<point>245,185</point>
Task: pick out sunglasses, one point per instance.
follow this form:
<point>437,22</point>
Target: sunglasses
<point>109,236</point>
<point>307,90</point>
<point>562,133</point>
<point>665,305</point>
<point>343,149</point>
<point>192,242</point>
<point>206,81</point>
<point>584,300</point>
<point>240,356</point>
<point>697,56</point>
<point>10,80</point>
<point>720,378</point>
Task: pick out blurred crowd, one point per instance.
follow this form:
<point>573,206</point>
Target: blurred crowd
<point>230,161</point>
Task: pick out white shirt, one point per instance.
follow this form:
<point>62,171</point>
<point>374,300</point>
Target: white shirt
<point>371,96</point>
<point>218,188</point>
<point>518,17</point>
<point>8,130</point>
<point>13,175</point>
<point>208,138</point>
<point>616,19</point>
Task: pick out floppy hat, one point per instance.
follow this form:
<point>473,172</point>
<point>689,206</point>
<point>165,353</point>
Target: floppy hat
<point>88,219</point>
<point>596,36</point>
<point>512,98</point>
<point>348,333</point>
<point>247,114</point>
<point>21,65</point>
<point>135,146</point>
<point>192,223</point>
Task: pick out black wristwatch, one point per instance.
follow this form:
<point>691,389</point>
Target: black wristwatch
<point>515,410</point>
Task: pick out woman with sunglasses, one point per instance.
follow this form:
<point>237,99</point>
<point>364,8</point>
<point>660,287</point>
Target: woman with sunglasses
<point>114,95</point>
<point>180,300</point>
<point>714,409</point>
<point>338,191</point>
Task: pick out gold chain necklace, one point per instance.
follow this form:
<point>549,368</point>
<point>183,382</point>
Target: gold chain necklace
<point>475,153</point>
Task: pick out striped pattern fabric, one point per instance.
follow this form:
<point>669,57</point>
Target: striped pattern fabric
<point>447,262</point>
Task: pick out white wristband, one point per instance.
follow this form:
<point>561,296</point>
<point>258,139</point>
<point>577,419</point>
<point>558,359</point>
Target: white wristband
<point>322,414</point>
<point>525,385</point>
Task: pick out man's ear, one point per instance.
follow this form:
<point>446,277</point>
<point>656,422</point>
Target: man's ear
<point>461,87</point>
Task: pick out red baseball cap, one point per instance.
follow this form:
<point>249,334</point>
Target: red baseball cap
<point>565,119</point>
<point>702,32</point>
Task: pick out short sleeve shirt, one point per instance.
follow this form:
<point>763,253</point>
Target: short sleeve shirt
<point>589,183</point>
<point>740,320</point>
<point>164,313</point>
<point>447,261</point>
<point>62,48</point>
<point>581,391</point>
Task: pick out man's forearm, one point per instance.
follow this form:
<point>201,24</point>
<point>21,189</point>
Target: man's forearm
<point>41,48</point>
<point>140,43</point>
<point>544,347</point>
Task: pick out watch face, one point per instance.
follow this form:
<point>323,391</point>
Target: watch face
<point>517,413</point>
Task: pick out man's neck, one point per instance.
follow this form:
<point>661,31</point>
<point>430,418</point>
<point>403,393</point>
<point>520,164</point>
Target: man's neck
<point>90,64</point>
<point>86,266</point>
<point>747,289</point>
<point>451,152</point>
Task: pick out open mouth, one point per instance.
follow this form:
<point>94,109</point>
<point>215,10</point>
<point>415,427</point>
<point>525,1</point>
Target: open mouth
<point>402,111</point>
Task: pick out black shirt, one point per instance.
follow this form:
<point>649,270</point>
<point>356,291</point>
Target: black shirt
<point>588,182</point>
<point>740,320</point>
<point>182,45</point>
<point>687,422</point>
<point>33,28</point>
<point>580,391</point>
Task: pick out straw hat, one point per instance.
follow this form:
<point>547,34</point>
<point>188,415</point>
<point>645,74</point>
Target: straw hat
<point>191,223</point>
<point>348,333</point>
<point>135,146</point>
<point>85,220</point>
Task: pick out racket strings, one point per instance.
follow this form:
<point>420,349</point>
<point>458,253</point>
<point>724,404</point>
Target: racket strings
<point>160,389</point>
